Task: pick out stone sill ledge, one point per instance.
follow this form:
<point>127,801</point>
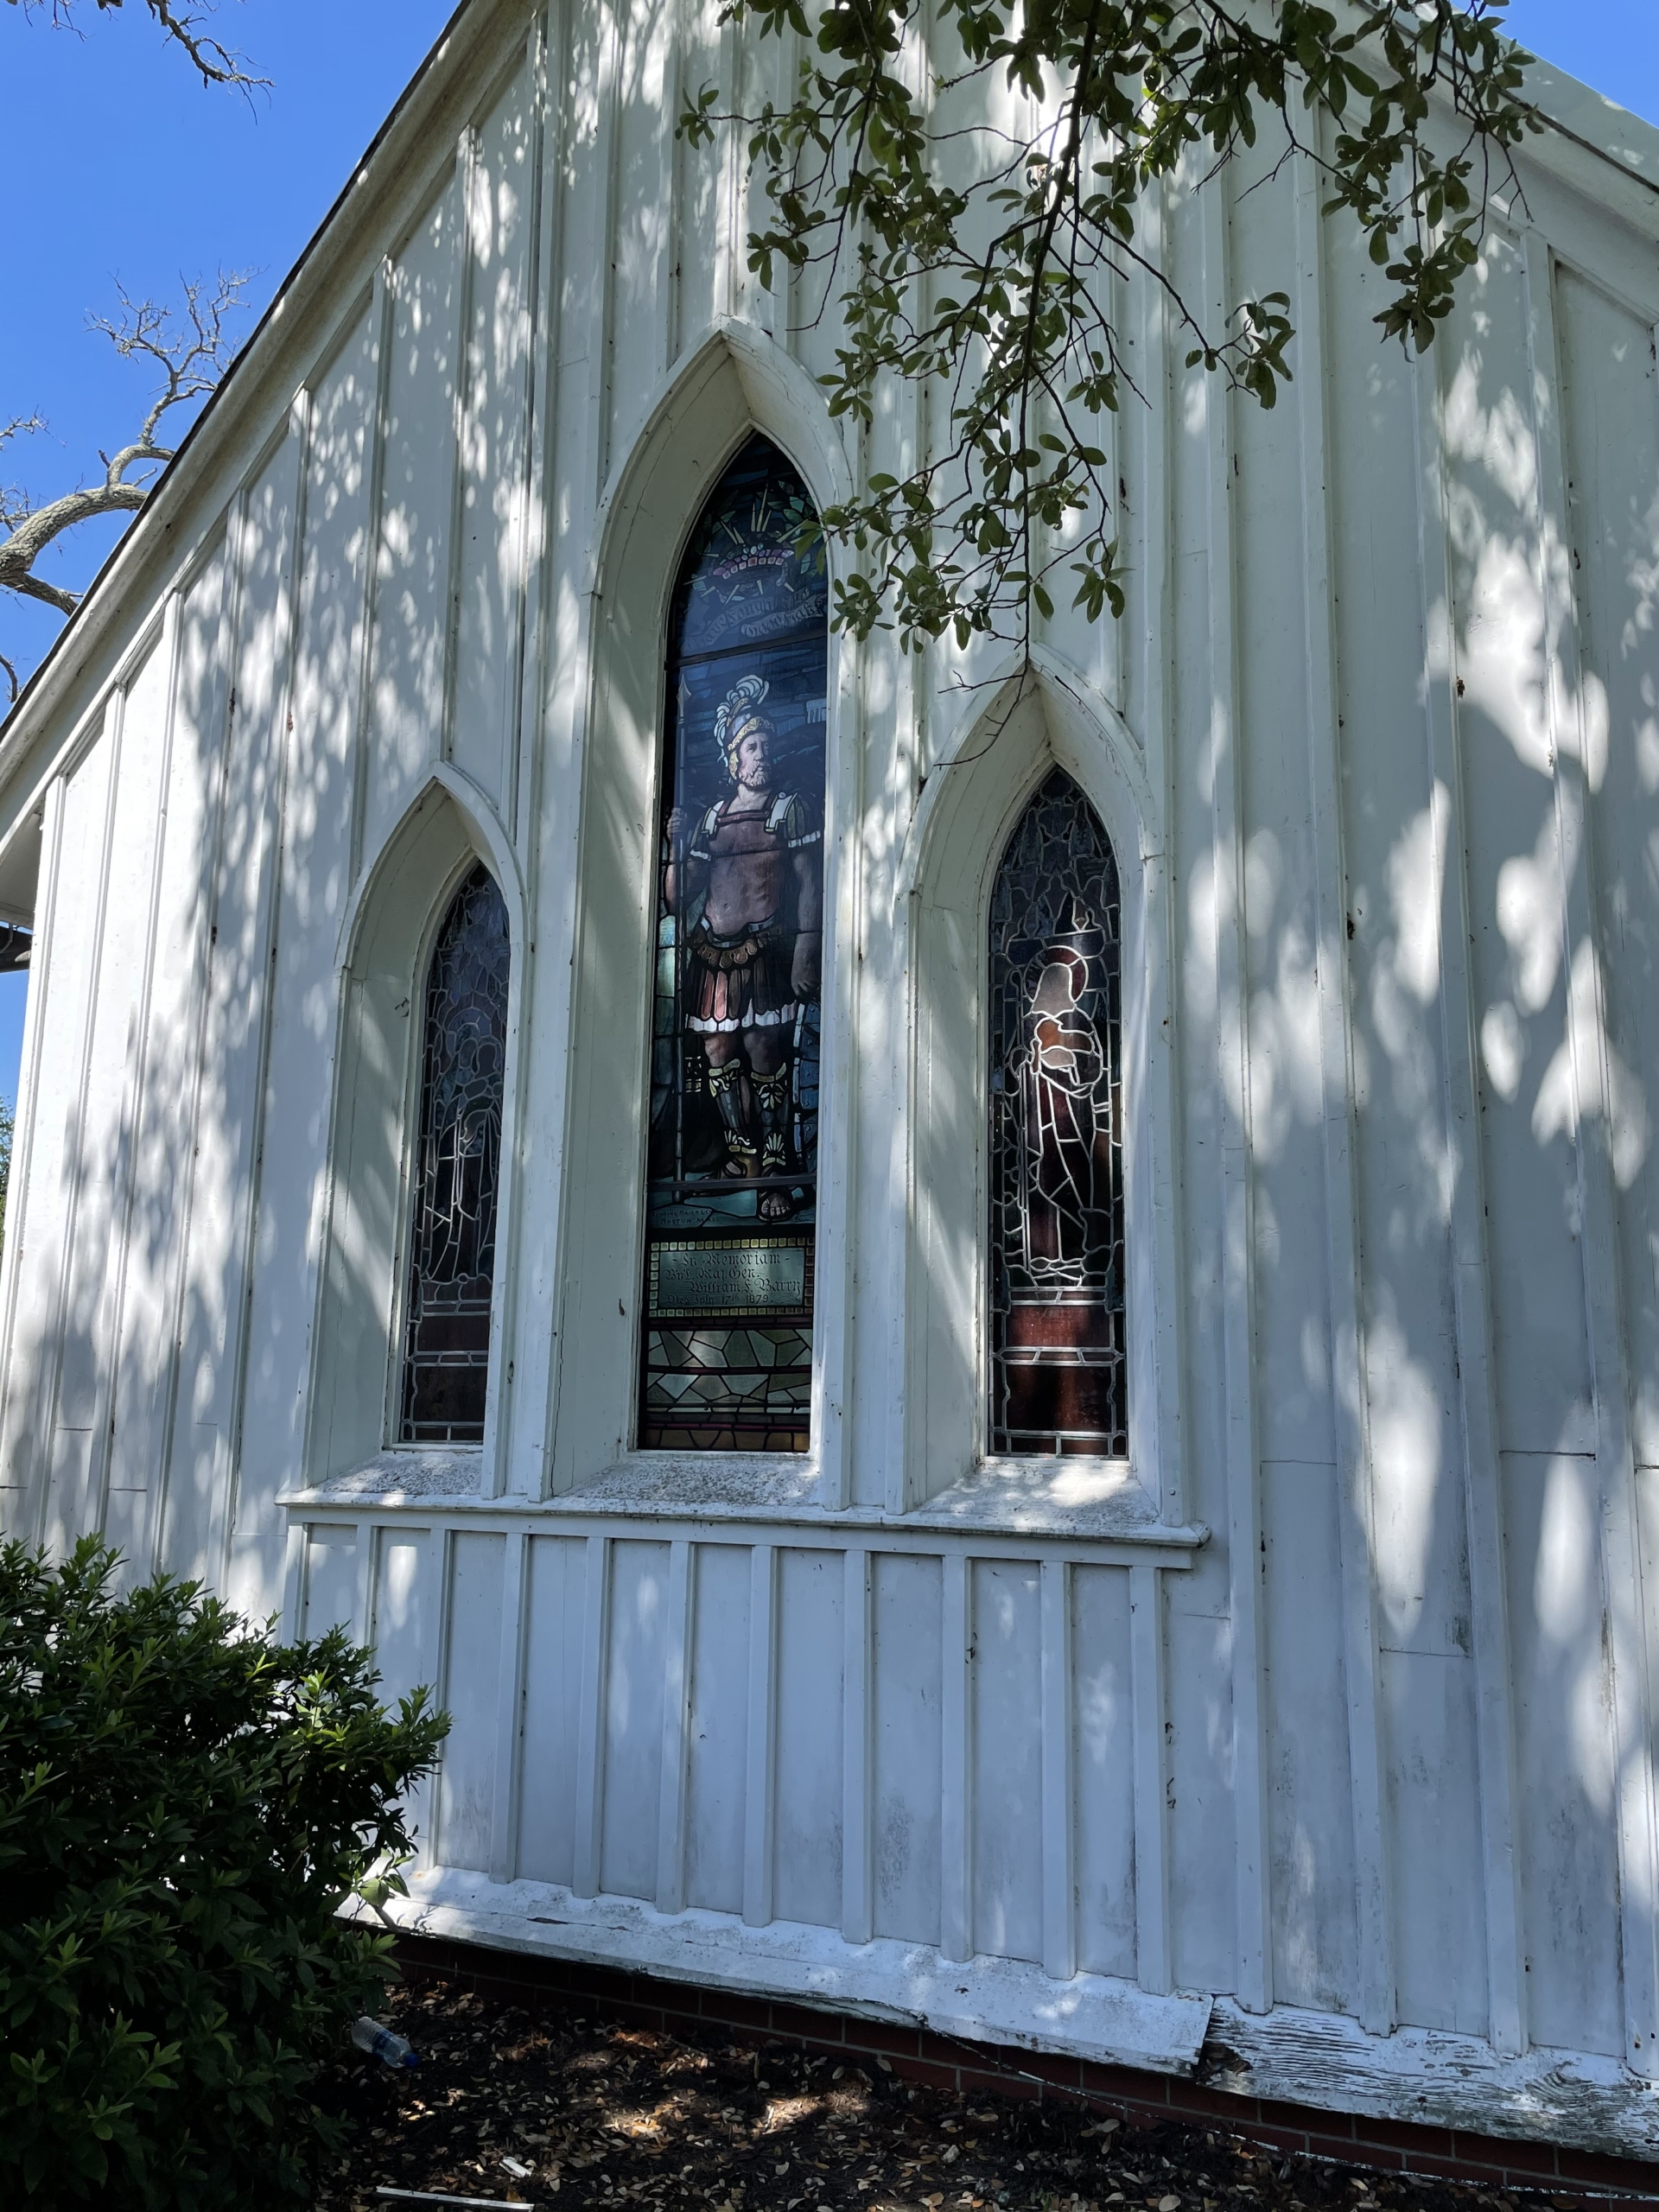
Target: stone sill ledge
<point>1083,1500</point>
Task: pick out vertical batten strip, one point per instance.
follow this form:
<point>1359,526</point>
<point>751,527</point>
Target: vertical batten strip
<point>858,1720</point>
<point>1472,1320</point>
<point>12,1247</point>
<point>1350,1406</point>
<point>509,1708</point>
<point>611,54</point>
<point>1059,1816</point>
<point>1632,1633</point>
<point>520,1456</point>
<point>461,405</point>
<point>1160,1127</point>
<point>268,914</point>
<point>677,1715</point>
<point>368,1556</point>
<point>1147,1668</point>
<point>1237,1207</point>
<point>532,525</point>
<point>75,1135</point>
<point>761,1791</point>
<point>590,1782</point>
<point>382,306</point>
<point>125,1178</point>
<point>443,1562</point>
<point>293,1578</point>
<point>222,718</point>
<point>955,1762</point>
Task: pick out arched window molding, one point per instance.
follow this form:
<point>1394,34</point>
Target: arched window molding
<point>387,938</point>
<point>974,799</point>
<point>732,386</point>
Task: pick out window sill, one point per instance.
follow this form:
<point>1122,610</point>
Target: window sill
<point>1062,1498</point>
<point>440,1473</point>
<point>1093,1502</point>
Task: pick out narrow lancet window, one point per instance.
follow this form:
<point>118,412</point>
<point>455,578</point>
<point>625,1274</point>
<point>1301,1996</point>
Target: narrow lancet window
<point>1057,1382</point>
<point>726,1356</point>
<point>457,1172</point>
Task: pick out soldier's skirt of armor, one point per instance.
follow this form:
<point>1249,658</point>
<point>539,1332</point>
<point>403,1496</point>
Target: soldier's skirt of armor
<point>739,983</point>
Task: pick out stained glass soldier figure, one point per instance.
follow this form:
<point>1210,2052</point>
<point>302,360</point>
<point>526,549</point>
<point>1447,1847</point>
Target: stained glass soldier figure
<point>746,883</point>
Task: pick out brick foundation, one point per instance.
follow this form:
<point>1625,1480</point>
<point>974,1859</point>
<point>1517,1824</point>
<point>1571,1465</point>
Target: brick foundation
<point>977,2069</point>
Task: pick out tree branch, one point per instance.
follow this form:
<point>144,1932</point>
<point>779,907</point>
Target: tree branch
<point>192,359</point>
<point>996,287</point>
<point>214,63</point>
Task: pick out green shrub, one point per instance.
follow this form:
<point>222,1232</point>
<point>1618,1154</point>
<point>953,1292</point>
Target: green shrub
<point>183,1805</point>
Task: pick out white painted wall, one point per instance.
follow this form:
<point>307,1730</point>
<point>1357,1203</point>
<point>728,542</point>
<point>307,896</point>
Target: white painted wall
<point>1333,1704</point>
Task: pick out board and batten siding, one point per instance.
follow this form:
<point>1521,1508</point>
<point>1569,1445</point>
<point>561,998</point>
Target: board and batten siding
<point>1334,1728</point>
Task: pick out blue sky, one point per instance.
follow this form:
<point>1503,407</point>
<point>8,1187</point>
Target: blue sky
<point>142,175</point>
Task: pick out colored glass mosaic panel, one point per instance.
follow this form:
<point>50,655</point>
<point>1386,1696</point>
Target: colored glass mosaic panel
<point>1057,1381</point>
<point>457,1172</point>
<point>732,1163</point>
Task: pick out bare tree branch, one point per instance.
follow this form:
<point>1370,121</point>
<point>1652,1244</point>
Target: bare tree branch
<point>215,63</point>
<point>191,351</point>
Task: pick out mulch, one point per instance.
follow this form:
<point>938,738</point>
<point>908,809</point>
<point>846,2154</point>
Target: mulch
<point>568,2113</point>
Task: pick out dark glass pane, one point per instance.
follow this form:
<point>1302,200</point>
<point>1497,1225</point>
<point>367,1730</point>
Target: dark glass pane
<point>457,1172</point>
<point>732,1173</point>
<point>1057,1379</point>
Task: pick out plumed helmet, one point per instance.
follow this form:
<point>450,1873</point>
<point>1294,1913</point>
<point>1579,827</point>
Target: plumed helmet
<point>739,713</point>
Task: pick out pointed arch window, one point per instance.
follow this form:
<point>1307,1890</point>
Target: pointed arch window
<point>1058,1369</point>
<point>457,1172</point>
<point>726,1359</point>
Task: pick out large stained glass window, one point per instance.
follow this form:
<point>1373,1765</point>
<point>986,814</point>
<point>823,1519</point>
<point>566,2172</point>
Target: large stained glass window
<point>725,1348</point>
<point>457,1172</point>
<point>1058,1370</point>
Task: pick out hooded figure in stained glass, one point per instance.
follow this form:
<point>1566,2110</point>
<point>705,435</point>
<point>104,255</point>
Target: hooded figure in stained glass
<point>745,881</point>
<point>1065,1090</point>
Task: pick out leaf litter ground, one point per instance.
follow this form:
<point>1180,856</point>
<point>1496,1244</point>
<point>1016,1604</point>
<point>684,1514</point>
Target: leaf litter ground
<point>571,2112</point>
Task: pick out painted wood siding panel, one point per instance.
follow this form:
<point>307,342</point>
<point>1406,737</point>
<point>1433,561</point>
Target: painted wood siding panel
<point>331,1580</point>
<point>1397,818</point>
<point>1279,950</point>
<point>642,272</point>
<point>314,885</point>
<point>1439,1931</point>
<point>493,524</point>
<point>471,1678</point>
<point>413,601</point>
<point>1103,1770</point>
<point>1309,1805</point>
<point>405,1612</point>
<point>55,1152</point>
<point>1610,407</point>
<point>146,1345</point>
<point>717,1728</point>
<point>807,1744</point>
<point>906,1786</point>
<point>1569,1865</point>
<point>201,1505</point>
<point>82,1417</point>
<point>405,1596</point>
<point>632,1750</point>
<point>552,1691</point>
<point>1006,1759</point>
<point>1203,1895</point>
<point>1501,638</point>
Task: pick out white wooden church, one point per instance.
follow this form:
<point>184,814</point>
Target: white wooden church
<point>996,1330</point>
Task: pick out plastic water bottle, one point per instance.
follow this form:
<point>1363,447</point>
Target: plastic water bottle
<point>380,2042</point>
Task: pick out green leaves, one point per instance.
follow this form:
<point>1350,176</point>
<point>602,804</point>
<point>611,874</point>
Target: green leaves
<point>998,298</point>
<point>184,1807</point>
